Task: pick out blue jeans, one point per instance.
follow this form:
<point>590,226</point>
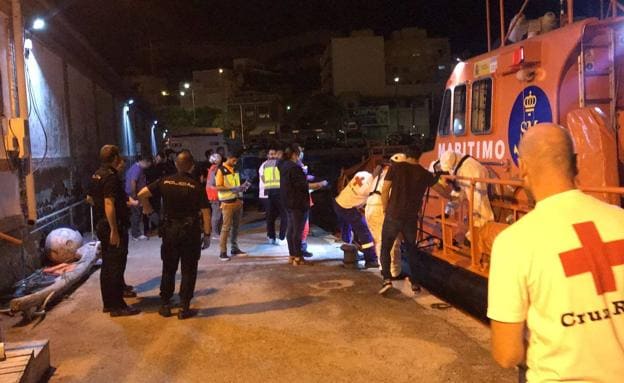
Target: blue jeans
<point>352,219</point>
<point>389,232</point>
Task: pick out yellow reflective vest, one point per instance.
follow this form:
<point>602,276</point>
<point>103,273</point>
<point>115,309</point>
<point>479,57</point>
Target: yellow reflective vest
<point>271,175</point>
<point>230,180</point>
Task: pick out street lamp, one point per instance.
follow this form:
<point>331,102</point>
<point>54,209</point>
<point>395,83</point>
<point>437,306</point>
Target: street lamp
<point>187,85</point>
<point>396,101</point>
<point>164,93</point>
<point>220,70</point>
<point>38,24</point>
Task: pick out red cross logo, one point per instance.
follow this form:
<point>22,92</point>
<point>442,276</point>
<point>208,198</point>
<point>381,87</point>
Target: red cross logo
<point>358,181</point>
<point>595,257</point>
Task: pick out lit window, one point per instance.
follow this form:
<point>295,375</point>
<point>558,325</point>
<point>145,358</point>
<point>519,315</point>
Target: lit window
<point>459,110</point>
<point>481,108</point>
<point>445,114</point>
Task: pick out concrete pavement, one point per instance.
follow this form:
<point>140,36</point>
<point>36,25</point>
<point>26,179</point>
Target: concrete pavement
<point>262,320</point>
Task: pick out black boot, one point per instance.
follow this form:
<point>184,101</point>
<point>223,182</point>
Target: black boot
<point>165,309</point>
<point>186,311</point>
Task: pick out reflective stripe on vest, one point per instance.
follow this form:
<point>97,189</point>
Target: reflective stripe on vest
<point>271,175</point>
<point>230,180</point>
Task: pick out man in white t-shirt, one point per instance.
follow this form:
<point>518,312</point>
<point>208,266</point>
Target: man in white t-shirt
<point>556,284</point>
<point>347,206</point>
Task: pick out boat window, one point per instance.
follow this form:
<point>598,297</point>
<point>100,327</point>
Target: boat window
<point>445,114</point>
<point>459,110</point>
<point>481,107</point>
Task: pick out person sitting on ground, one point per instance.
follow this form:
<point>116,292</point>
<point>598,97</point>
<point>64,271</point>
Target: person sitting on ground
<point>556,283</point>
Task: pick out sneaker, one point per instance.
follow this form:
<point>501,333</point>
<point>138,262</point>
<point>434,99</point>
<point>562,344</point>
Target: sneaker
<point>371,265</point>
<point>271,241</point>
<point>385,287</point>
<point>165,311</point>
<point>399,277</point>
<point>124,312</point>
<point>238,252</point>
<point>307,254</point>
<point>300,261</point>
<point>280,242</point>
<point>223,257</point>
<point>129,293</point>
<point>106,310</point>
<point>291,259</point>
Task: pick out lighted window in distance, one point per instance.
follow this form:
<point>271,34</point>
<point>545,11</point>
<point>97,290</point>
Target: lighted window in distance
<point>445,114</point>
<point>481,108</point>
<point>459,110</point>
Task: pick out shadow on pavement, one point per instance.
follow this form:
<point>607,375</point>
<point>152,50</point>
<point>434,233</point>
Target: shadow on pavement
<point>260,307</point>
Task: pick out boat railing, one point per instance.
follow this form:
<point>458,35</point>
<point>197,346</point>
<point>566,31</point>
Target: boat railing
<point>447,224</point>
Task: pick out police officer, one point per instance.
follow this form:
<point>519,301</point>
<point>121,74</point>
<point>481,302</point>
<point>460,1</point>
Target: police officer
<point>111,209</point>
<point>183,199</point>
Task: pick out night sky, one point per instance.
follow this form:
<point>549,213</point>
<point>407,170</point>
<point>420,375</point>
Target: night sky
<point>119,29</point>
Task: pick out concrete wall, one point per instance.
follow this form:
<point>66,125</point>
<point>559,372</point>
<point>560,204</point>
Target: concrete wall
<point>72,112</point>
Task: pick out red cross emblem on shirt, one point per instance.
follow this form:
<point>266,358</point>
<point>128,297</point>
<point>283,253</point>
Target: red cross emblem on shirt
<point>358,181</point>
<point>595,257</point>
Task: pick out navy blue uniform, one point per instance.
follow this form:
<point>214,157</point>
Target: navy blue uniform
<point>183,198</point>
<point>106,183</point>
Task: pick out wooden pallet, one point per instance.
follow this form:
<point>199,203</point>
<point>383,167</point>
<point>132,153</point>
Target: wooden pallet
<point>26,362</point>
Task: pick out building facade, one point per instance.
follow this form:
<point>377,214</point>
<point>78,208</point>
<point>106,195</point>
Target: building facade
<point>71,103</point>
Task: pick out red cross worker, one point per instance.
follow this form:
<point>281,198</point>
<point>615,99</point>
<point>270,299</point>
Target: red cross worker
<point>556,283</point>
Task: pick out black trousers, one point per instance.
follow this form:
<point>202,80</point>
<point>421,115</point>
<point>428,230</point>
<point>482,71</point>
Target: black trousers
<point>275,208</point>
<point>389,232</point>
<point>181,244</point>
<point>296,221</point>
<point>114,259</point>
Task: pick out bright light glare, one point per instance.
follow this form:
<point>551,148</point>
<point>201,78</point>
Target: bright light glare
<point>164,93</point>
<point>155,122</point>
<point>187,85</point>
<point>38,24</point>
<point>28,44</point>
<point>287,107</point>
<point>220,70</point>
<point>396,79</point>
<point>182,93</point>
<point>130,101</point>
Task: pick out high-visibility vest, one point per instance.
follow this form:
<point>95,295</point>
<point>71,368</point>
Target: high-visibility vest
<point>230,180</point>
<point>271,175</point>
<point>211,189</point>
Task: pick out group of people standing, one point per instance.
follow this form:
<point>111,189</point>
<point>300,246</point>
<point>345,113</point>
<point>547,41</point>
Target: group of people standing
<point>284,189</point>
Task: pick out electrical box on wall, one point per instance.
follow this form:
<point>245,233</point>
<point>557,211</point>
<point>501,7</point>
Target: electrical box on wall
<point>14,132</point>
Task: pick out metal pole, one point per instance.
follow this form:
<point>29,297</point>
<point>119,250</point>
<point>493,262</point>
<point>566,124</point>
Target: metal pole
<point>570,11</point>
<point>92,228</point>
<point>193,101</point>
<point>242,126</point>
<point>22,112</point>
<point>501,5</point>
<point>489,26</point>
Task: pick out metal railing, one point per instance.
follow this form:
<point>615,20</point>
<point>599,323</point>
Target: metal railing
<point>446,225</point>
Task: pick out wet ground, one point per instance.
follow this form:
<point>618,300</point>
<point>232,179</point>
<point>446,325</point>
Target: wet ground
<point>262,320</point>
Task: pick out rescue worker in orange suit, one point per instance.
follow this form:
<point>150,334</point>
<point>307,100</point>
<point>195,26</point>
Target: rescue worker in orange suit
<point>213,194</point>
<point>374,219</point>
<point>557,274</point>
<point>347,206</point>
<point>460,165</point>
<point>111,205</point>
<point>184,198</point>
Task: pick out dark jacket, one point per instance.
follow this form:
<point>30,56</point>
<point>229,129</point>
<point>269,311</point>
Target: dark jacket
<point>293,186</point>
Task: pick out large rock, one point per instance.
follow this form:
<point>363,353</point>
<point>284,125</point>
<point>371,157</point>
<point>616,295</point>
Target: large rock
<point>62,244</point>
